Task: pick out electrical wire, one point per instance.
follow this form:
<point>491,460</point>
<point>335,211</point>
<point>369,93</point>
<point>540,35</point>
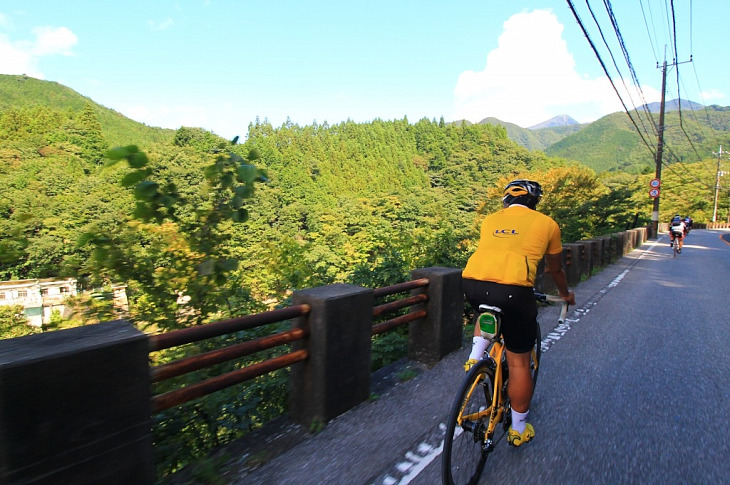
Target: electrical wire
<point>605,70</point>
<point>615,64</point>
<point>671,29</point>
<point>651,42</point>
<point>627,58</point>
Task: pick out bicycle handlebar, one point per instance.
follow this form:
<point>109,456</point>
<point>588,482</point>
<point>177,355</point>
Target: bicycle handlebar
<point>554,299</point>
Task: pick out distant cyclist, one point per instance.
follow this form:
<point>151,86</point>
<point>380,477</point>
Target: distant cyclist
<point>677,231</point>
<point>501,273</point>
<point>687,225</point>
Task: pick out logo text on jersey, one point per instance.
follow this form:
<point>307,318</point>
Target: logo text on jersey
<point>505,232</point>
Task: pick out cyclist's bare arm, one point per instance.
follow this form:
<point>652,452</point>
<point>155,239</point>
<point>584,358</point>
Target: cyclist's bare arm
<point>554,265</point>
<point>554,299</point>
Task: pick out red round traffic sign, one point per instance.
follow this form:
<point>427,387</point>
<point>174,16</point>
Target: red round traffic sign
<point>654,193</point>
<point>655,183</point>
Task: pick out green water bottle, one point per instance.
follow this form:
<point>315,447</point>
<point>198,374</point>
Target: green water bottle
<point>487,325</point>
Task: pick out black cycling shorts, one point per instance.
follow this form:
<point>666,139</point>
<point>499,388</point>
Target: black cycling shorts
<point>519,310</point>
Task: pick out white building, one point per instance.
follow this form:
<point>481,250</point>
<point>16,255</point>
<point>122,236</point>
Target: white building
<point>38,297</point>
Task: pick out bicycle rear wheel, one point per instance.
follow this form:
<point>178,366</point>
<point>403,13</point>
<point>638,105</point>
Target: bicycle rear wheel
<point>465,453</point>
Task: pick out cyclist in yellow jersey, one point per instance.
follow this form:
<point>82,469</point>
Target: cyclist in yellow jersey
<point>501,273</point>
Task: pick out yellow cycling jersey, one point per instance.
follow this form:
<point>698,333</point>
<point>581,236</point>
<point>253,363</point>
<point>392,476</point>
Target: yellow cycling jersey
<point>511,244</point>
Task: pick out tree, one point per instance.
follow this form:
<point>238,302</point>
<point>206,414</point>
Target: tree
<point>13,322</point>
<point>174,257</point>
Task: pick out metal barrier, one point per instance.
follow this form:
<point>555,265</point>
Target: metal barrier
<point>195,334</point>
<point>201,361</point>
<point>399,304</point>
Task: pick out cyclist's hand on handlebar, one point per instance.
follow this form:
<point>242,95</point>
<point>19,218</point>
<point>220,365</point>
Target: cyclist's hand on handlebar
<point>570,298</point>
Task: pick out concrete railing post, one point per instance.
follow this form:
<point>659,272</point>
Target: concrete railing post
<point>440,332</point>
<point>608,249</point>
<point>630,242</point>
<point>590,248</point>
<point>75,407</point>
<point>336,376</point>
<point>623,243</point>
<point>617,245</point>
<point>572,263</point>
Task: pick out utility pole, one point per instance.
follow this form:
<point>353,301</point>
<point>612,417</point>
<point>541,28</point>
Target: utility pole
<point>720,173</point>
<point>659,152</point>
<point>660,143</point>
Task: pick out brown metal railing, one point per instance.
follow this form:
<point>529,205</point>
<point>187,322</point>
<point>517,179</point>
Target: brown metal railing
<point>399,304</point>
<point>194,334</point>
<point>216,329</point>
<point>201,361</point>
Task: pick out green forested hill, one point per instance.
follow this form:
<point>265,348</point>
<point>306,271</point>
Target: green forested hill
<point>348,202</point>
<point>27,92</point>
<point>539,139</point>
<point>612,143</point>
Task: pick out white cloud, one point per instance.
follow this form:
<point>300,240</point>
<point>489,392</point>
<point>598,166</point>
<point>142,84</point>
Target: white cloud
<point>16,59</point>
<point>53,40</point>
<point>21,57</point>
<point>164,25</point>
<point>712,94</point>
<point>531,77</point>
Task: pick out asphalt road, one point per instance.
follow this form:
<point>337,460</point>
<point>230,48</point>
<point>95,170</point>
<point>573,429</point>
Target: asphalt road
<point>632,389</point>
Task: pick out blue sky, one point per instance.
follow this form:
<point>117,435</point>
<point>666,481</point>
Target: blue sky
<point>220,64</point>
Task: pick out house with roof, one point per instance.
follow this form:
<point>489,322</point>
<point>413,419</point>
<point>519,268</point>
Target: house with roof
<point>38,297</point>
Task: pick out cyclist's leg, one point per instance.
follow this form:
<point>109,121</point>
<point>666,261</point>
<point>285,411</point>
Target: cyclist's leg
<point>474,292</point>
<point>519,328</point>
<point>519,386</point>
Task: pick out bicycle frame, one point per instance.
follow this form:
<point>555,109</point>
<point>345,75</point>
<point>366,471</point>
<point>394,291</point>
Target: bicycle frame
<point>496,410</point>
<point>495,352</point>
<point>482,403</point>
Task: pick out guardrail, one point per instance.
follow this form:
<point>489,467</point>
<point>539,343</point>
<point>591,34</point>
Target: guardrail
<point>213,357</point>
<point>216,329</point>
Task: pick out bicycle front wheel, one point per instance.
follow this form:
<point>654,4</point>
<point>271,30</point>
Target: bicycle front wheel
<point>465,452</point>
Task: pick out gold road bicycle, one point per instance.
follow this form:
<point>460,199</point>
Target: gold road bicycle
<point>482,402</point>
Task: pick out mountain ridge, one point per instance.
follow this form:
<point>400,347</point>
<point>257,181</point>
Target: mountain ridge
<point>610,143</point>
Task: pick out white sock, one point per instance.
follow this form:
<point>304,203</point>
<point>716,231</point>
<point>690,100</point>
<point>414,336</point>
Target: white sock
<point>519,420</point>
<point>478,346</point>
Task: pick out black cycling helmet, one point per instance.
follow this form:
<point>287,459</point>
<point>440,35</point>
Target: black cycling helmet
<point>524,192</point>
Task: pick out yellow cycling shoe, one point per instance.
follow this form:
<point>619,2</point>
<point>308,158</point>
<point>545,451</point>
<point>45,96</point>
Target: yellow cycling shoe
<point>469,364</point>
<point>517,439</point>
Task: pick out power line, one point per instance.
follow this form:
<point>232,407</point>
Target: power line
<point>671,25</point>
<point>648,33</point>
<point>605,70</point>
<point>626,58</point>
